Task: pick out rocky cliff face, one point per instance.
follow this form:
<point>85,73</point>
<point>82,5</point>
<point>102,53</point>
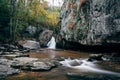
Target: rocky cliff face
<point>90,21</point>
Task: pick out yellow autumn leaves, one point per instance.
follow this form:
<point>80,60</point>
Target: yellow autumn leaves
<point>42,13</point>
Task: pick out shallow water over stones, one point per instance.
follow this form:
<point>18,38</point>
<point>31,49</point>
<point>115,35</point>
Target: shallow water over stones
<point>65,73</point>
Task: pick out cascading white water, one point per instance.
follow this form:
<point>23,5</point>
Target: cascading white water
<point>85,66</point>
<point>52,44</point>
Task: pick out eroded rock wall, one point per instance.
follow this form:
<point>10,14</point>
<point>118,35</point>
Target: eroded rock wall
<point>90,21</point>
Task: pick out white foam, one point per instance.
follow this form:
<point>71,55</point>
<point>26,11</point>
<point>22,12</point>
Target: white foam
<point>52,44</point>
<point>86,66</point>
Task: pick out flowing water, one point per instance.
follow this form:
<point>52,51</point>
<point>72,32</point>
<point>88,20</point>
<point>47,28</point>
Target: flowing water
<point>74,67</point>
<point>51,44</point>
<point>85,66</point>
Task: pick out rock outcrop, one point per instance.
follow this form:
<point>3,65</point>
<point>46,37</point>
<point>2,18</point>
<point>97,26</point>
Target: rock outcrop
<point>90,22</point>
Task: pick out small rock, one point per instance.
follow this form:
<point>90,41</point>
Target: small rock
<point>25,51</point>
<point>15,55</point>
<point>17,64</point>
<point>6,52</point>
<point>75,62</point>
<point>15,50</point>
<point>23,55</point>
<point>40,66</point>
<point>3,61</point>
<point>1,52</point>
<point>2,48</point>
<point>12,46</point>
<point>25,59</point>
<point>97,57</point>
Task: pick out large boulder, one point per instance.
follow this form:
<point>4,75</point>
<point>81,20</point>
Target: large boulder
<point>45,37</point>
<point>31,44</point>
<point>90,22</point>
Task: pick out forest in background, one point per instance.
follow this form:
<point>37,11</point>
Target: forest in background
<point>16,15</point>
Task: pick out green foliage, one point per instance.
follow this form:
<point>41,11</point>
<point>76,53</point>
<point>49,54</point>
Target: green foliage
<point>4,19</point>
<point>15,15</point>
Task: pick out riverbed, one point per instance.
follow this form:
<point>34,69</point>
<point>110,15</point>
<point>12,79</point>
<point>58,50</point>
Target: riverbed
<point>67,73</point>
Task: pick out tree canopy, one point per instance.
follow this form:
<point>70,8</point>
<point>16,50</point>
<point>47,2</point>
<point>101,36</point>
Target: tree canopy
<point>15,15</point>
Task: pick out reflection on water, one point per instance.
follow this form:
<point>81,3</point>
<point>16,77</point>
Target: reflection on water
<point>77,67</point>
<point>46,53</point>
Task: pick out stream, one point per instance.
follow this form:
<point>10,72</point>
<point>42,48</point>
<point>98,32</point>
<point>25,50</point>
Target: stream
<point>73,65</point>
<point>35,63</point>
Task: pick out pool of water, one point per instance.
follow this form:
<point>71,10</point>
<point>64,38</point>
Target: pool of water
<point>67,73</point>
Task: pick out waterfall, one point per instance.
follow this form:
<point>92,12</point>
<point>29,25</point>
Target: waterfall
<point>52,44</point>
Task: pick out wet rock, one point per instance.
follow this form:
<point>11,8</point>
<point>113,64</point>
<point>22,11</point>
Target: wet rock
<point>2,48</point>
<point>41,66</point>
<point>29,44</point>
<point>12,46</point>
<point>75,76</point>
<point>15,50</point>
<point>3,61</point>
<point>71,62</point>
<point>75,62</point>
<point>10,56</point>
<point>5,70</point>
<point>95,57</point>
<point>17,64</point>
<point>6,62</point>
<point>8,46</point>
<point>45,37</point>
<point>6,52</point>
<point>25,59</point>
<point>1,52</point>
<point>22,61</point>
<point>22,55</point>
<point>24,51</point>
<point>33,64</point>
<point>115,55</point>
